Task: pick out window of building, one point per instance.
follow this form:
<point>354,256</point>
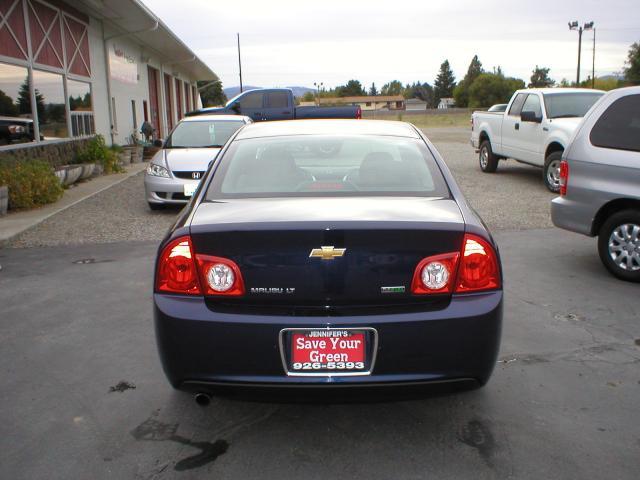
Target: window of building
<point>619,126</point>
<point>15,102</point>
<point>81,108</point>
<point>50,105</point>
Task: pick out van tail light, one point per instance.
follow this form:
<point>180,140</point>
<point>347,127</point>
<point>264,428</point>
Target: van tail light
<point>358,113</point>
<point>180,270</point>
<point>564,177</point>
<point>176,270</point>
<point>473,269</point>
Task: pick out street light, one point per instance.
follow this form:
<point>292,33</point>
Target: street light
<point>576,26</point>
<point>318,88</point>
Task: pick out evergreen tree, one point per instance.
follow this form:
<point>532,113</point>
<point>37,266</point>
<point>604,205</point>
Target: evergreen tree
<point>6,105</point>
<point>24,102</point>
<point>632,65</point>
<point>445,82</point>
<point>540,78</point>
<point>373,91</point>
<point>392,88</point>
<point>353,88</point>
<point>213,95</point>
<point>461,92</point>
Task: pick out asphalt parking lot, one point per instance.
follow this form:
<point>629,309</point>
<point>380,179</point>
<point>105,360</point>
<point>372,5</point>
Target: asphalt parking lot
<point>84,395</point>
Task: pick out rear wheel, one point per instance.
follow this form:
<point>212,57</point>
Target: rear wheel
<point>619,245</point>
<point>551,171</point>
<point>488,161</point>
<point>156,206</point>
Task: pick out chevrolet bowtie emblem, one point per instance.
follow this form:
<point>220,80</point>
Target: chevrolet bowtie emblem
<point>327,253</point>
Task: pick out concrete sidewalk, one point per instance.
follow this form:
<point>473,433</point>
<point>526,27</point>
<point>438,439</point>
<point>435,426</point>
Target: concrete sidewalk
<point>17,222</point>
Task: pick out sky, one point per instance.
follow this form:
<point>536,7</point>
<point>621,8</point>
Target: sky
<point>297,43</point>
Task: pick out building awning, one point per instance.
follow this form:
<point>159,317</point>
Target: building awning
<point>132,17</point>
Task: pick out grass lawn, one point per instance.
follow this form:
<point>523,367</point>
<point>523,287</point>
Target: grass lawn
<point>423,120</point>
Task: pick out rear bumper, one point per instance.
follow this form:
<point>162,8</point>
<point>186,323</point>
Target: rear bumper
<point>571,215</point>
<point>199,347</point>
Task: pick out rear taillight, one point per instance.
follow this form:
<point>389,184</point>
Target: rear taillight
<point>177,272</point>
<point>435,274</point>
<point>358,113</point>
<point>182,271</point>
<point>220,276</point>
<point>564,177</point>
<point>474,269</point>
<point>478,269</point>
<point>472,123</point>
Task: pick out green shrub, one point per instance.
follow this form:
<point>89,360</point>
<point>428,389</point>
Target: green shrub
<point>31,183</point>
<point>96,151</point>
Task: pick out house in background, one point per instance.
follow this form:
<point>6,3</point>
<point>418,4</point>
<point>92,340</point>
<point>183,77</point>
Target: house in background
<point>446,103</point>
<point>415,104</point>
<point>378,102</point>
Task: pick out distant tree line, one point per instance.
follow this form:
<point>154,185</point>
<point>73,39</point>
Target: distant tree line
<point>478,88</point>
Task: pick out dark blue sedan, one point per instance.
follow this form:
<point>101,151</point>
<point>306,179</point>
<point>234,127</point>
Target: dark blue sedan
<point>327,253</point>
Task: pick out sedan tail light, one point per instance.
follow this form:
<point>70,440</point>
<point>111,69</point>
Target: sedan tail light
<point>177,272</point>
<point>181,271</point>
<point>358,113</point>
<point>220,276</point>
<point>564,177</point>
<point>473,269</point>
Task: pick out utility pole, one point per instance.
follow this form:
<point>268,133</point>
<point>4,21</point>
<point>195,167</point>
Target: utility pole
<point>593,64</point>
<point>239,62</point>
<point>575,26</point>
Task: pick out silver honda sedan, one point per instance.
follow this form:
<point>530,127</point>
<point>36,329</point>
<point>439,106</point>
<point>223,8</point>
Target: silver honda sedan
<point>175,171</point>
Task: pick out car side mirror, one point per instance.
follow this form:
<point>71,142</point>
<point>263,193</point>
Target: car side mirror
<point>236,107</point>
<point>529,116</point>
<point>157,143</point>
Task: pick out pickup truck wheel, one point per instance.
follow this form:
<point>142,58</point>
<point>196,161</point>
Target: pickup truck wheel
<point>488,161</point>
<point>551,171</point>
<point>619,245</point>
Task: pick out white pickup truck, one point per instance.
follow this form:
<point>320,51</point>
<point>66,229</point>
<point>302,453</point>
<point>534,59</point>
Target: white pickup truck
<point>534,129</point>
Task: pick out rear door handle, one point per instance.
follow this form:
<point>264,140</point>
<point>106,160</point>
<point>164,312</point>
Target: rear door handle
<point>517,126</point>
<point>286,112</point>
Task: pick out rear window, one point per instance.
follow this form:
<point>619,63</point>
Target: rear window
<point>619,126</point>
<point>565,105</point>
<point>323,166</point>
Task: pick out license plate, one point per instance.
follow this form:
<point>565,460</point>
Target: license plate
<point>189,189</point>
<point>329,352</point>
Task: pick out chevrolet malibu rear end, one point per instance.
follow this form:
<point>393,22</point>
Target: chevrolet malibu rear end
<point>328,253</point>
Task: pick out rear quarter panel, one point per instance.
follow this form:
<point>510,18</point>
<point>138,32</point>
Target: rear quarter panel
<point>597,176</point>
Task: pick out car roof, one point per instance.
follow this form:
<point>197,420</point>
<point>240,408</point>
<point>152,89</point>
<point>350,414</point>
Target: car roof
<point>328,127</point>
<point>201,118</point>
